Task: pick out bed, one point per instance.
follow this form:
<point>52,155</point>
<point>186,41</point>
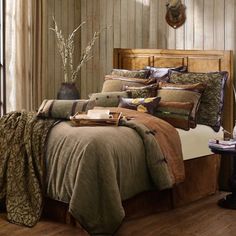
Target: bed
<point>136,201</point>
<point>202,161</point>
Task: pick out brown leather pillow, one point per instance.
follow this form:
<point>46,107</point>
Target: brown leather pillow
<point>182,93</point>
<point>175,113</point>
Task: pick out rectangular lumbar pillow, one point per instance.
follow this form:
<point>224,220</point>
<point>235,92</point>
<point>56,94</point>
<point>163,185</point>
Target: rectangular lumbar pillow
<point>63,109</point>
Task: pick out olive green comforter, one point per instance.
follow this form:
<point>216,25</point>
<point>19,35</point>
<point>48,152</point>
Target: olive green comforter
<point>95,168</point>
<point>91,168</point>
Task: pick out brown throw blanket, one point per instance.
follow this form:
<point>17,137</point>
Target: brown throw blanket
<point>22,146</point>
<point>167,138</point>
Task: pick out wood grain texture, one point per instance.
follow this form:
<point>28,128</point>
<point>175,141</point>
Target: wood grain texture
<point>203,218</point>
<point>135,24</point>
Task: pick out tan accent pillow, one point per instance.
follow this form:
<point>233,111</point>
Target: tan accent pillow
<point>115,83</point>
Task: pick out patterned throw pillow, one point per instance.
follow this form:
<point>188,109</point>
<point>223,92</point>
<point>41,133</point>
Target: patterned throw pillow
<point>182,93</point>
<point>148,105</point>
<point>63,109</point>
<point>143,74</point>
<point>108,99</point>
<point>212,100</point>
<point>175,113</point>
<point>142,92</point>
<point>161,73</point>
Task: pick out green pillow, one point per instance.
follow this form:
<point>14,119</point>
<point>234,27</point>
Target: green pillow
<point>212,100</point>
<point>108,99</point>
<point>63,109</point>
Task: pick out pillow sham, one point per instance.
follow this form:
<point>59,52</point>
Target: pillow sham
<point>131,73</point>
<point>147,105</point>
<point>142,92</point>
<point>182,93</point>
<point>175,113</point>
<point>161,73</point>
<point>211,106</point>
<point>63,109</point>
<point>107,99</point>
<point>114,83</point>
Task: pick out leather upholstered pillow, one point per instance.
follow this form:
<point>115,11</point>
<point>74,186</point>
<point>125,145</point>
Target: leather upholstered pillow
<point>175,113</point>
<point>182,93</point>
<point>63,109</point>
<point>107,99</point>
<point>212,100</point>
<point>148,105</point>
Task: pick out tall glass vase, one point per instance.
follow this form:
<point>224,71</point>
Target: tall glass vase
<point>68,91</point>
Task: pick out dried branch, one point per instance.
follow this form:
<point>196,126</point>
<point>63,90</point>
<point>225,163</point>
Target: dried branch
<point>66,50</point>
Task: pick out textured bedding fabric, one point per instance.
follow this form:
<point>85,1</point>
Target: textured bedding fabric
<point>22,142</point>
<point>95,168</point>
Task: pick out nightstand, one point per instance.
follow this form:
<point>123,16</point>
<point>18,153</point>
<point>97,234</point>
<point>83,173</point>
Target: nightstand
<point>230,200</point>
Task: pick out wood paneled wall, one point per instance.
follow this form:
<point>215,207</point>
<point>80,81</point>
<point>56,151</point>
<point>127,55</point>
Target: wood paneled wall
<point>67,16</point>
<point>135,24</point>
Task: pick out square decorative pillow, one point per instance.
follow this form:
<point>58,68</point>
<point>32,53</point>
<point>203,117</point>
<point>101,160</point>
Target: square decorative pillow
<point>212,100</point>
<point>142,92</point>
<point>143,74</point>
<point>108,99</point>
<point>63,109</point>
<point>182,93</point>
<point>175,113</point>
<point>148,105</point>
<point>161,73</point>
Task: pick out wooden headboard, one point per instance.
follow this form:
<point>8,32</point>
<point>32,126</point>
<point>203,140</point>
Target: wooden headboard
<point>195,60</point>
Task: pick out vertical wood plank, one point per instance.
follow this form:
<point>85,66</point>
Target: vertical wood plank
<point>51,51</point>
<point>96,49</point>
<point>89,29</point>
<point>110,40</point>
<point>219,23</point>
<point>162,26</point>
<point>209,24</point>
<point>123,22</point>
<point>229,25</point>
<point>153,25</point>
<point>103,40</point>
<point>77,49</point>
<point>116,23</point>
<point>139,24</point>
<point>83,45</point>
<point>58,61</point>
<point>189,24</point>
<point>146,16</point>
<point>131,24</point>
<point>198,24</point>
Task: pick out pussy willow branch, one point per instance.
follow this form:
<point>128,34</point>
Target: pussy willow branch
<point>66,49</point>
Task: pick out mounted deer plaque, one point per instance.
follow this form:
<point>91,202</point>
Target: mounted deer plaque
<point>175,13</point>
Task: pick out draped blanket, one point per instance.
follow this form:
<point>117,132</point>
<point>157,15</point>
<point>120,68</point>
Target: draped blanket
<point>22,147</point>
